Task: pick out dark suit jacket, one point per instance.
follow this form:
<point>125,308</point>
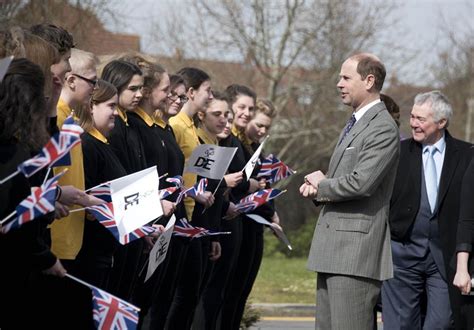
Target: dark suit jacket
<point>407,192</point>
<point>465,235</point>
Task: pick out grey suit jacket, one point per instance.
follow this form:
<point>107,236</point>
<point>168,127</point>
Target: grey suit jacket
<point>352,236</point>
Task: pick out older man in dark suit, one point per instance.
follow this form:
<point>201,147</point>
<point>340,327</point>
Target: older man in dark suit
<point>424,211</point>
<point>351,244</point>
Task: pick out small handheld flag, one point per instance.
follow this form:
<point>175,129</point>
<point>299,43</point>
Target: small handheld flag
<point>40,202</point>
<point>274,169</point>
<point>251,202</point>
<point>104,213</point>
<point>184,229</point>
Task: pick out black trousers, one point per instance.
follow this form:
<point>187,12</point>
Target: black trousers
<point>187,291</point>
<point>213,294</point>
<point>124,274</point>
<point>163,292</point>
<point>247,266</point>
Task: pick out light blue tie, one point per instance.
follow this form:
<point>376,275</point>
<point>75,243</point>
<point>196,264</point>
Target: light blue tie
<point>431,179</point>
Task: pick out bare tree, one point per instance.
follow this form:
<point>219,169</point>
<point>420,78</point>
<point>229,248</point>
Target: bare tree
<point>455,69</point>
<point>293,49</point>
<point>76,16</point>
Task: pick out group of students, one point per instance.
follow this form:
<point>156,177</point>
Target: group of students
<point>136,115</point>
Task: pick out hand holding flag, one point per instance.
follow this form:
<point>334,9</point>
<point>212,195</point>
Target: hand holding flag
<point>40,202</point>
<point>198,189</point>
<point>104,213</point>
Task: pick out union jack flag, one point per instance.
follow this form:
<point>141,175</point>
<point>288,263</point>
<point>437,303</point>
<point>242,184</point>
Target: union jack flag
<point>184,229</point>
<point>40,202</point>
<point>69,131</point>
<point>104,213</point>
<point>110,312</point>
<point>251,202</point>
<point>103,192</point>
<point>167,192</point>
<point>57,147</point>
<point>274,169</point>
<point>198,189</point>
<point>177,181</point>
<point>137,233</point>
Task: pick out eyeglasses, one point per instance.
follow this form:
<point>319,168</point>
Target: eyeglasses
<point>174,97</point>
<point>93,82</point>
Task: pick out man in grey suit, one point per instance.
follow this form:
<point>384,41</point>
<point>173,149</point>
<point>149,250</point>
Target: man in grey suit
<point>351,244</point>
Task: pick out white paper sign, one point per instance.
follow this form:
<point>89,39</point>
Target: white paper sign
<point>248,169</point>
<point>210,161</point>
<point>278,232</point>
<point>4,65</point>
<point>136,199</point>
<point>160,249</point>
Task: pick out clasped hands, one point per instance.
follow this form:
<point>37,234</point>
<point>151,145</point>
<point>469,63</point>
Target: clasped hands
<point>310,186</point>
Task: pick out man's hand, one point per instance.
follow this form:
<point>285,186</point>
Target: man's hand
<point>315,178</point>
<point>462,280</point>
<point>307,190</point>
<point>215,252</point>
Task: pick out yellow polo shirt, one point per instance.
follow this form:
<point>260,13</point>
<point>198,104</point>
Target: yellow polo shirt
<point>187,138</point>
<point>206,138</point>
<point>66,233</point>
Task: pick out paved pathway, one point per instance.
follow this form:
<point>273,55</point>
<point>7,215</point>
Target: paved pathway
<point>290,323</point>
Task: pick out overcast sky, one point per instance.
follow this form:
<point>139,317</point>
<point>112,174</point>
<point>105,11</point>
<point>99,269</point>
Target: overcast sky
<point>419,28</point>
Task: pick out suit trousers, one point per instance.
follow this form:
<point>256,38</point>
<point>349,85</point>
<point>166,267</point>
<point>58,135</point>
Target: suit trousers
<point>402,295</point>
<point>345,302</point>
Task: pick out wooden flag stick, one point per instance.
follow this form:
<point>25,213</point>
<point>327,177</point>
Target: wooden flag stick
<point>90,286</point>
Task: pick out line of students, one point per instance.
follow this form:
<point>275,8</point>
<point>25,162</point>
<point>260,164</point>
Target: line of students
<point>135,116</point>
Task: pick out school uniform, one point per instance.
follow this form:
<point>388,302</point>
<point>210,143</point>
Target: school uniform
<point>163,291</point>
<point>128,147</point>
<point>216,292</point>
<point>96,257</point>
<point>156,154</point>
<point>67,233</point>
<point>126,144</point>
<point>187,138</point>
<point>187,290</point>
<point>23,252</point>
<point>249,260</point>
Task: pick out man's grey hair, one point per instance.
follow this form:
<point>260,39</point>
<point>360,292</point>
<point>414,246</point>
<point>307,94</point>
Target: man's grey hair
<point>439,103</point>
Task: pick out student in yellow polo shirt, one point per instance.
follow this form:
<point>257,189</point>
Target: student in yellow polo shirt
<point>199,94</point>
<point>67,233</point>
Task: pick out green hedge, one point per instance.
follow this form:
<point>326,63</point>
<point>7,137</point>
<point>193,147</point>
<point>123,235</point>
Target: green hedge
<point>300,240</point>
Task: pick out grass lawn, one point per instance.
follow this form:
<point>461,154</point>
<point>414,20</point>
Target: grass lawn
<point>284,280</point>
